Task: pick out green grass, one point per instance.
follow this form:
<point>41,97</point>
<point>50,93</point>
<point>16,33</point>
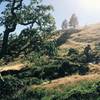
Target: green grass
<point>84,90</point>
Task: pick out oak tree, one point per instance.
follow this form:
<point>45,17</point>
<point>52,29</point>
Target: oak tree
<point>34,15</point>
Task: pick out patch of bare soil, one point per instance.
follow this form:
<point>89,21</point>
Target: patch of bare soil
<point>17,67</point>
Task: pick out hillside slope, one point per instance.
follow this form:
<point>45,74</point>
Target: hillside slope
<point>78,38</point>
<point>94,74</point>
<point>89,34</point>
<point>71,80</point>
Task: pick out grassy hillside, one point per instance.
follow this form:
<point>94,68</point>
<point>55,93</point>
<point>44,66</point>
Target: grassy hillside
<point>58,77</point>
<point>89,34</point>
<point>79,37</point>
<point>81,90</point>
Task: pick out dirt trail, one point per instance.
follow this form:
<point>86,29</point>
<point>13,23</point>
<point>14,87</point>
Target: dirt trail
<point>18,67</point>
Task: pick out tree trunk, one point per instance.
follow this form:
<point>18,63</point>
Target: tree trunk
<point>5,43</point>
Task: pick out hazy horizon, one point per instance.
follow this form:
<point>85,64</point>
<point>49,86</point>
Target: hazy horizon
<point>87,11</point>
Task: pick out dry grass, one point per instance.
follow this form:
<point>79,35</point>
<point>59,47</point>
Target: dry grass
<point>93,75</point>
<point>13,66</point>
<point>68,81</point>
<point>88,35</point>
<point>94,68</point>
<point>72,44</point>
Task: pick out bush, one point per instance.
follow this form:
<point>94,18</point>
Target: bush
<point>37,59</point>
<point>82,58</point>
<point>10,86</point>
<point>98,87</point>
<point>75,56</point>
<point>50,48</point>
<point>2,62</point>
<point>30,94</point>
<point>31,80</point>
<point>71,68</point>
<point>72,51</point>
<point>84,91</point>
<point>54,70</point>
<point>81,91</point>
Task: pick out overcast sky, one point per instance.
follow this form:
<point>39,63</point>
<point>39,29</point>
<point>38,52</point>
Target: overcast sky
<point>87,11</point>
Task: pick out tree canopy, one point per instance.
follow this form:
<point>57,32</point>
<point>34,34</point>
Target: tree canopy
<point>73,21</point>
<point>35,16</point>
<point>64,24</point>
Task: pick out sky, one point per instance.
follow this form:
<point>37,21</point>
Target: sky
<point>87,11</point>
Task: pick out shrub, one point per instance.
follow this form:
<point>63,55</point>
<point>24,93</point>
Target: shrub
<point>54,70</point>
<point>74,57</point>
<point>82,58</point>
<point>98,87</point>
<point>50,48</point>
<point>72,51</point>
<point>71,68</point>
<point>81,91</point>
<point>2,62</point>
<point>31,80</point>
<point>37,59</point>
<point>10,86</point>
<point>30,94</point>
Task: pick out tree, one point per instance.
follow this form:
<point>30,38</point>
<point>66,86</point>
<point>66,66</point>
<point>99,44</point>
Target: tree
<point>34,15</point>
<point>73,21</point>
<point>64,25</point>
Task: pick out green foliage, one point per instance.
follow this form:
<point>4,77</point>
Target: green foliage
<point>42,55</point>
<point>72,68</point>
<point>54,69</point>
<point>31,80</point>
<point>97,46</point>
<point>74,56</point>
<point>79,57</point>
<point>9,86</point>
<point>37,59</point>
<point>35,16</point>
<point>72,51</point>
<point>82,58</point>
<point>30,94</point>
<point>27,43</point>
<point>50,48</point>
<point>2,62</point>
<point>86,90</point>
